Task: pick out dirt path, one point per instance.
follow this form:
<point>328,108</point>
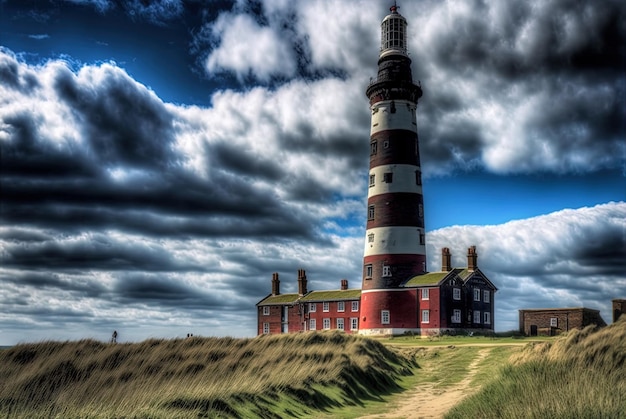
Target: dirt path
<point>425,401</point>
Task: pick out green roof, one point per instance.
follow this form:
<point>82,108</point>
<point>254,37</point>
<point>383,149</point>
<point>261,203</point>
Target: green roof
<point>333,295</point>
<point>431,278</point>
<point>279,299</point>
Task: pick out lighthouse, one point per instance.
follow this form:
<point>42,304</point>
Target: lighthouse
<point>394,238</point>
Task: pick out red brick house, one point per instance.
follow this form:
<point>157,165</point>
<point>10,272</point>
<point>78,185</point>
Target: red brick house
<point>454,300</point>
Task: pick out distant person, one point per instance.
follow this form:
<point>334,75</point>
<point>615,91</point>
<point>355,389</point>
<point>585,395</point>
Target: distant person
<point>114,337</point>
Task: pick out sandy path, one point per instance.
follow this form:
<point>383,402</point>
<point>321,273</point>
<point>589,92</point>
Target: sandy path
<point>425,401</point>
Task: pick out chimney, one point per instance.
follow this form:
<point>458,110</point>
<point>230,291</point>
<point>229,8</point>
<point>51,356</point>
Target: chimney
<point>301,282</point>
<point>275,284</point>
<point>446,260</point>
<point>344,284</point>
<point>472,258</point>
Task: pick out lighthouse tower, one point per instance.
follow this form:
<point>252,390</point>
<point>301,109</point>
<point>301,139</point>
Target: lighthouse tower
<point>394,238</point>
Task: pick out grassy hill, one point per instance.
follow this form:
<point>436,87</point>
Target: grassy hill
<point>579,375</point>
<point>268,376</point>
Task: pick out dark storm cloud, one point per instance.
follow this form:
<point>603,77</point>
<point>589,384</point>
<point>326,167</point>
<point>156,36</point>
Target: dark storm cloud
<point>543,75</point>
<point>80,287</point>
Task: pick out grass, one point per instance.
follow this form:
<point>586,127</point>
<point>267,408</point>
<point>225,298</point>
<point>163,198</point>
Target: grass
<point>581,374</point>
<point>269,376</point>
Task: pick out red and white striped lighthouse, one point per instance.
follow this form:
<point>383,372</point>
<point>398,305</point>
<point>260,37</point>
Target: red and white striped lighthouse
<point>394,239</point>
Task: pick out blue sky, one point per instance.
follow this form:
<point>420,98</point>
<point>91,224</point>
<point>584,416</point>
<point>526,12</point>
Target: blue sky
<point>161,159</point>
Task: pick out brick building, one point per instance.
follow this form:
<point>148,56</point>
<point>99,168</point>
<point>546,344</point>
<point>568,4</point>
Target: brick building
<point>454,300</point>
<point>553,321</point>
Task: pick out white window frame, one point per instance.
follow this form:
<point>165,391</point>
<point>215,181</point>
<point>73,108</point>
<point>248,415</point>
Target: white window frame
<point>312,324</point>
<point>476,294</point>
<point>425,293</point>
<point>486,296</point>
<point>554,322</point>
<point>385,317</point>
<point>341,306</point>
<point>354,323</point>
<point>456,316</point>
<point>266,310</point>
<point>456,293</point>
<point>386,270</point>
<point>369,271</point>
<point>326,323</point>
<point>325,306</point>
<point>487,317</point>
<point>355,306</point>
<point>371,212</point>
<point>266,328</point>
<point>372,181</point>
<point>312,307</point>
<point>340,324</point>
<point>477,316</point>
<point>425,316</point>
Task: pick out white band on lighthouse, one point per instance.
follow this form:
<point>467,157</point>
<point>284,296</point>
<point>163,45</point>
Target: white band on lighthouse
<point>394,240</point>
<point>393,114</point>
<point>390,178</point>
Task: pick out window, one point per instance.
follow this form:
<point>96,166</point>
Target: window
<point>370,212</point>
<point>368,271</point>
<point>388,177</point>
<point>372,180</point>
<point>386,144</point>
<point>477,316</point>
<point>476,294</point>
<point>386,270</point>
<point>422,238</point>
<point>384,316</point>
<point>373,147</point>
<point>456,316</point>
<point>312,307</point>
<point>312,324</point>
<point>456,293</point>
<point>326,324</point>
<point>355,306</point>
<point>354,323</point>
<point>266,310</point>
<point>425,316</point>
<point>341,306</point>
<point>325,306</point>
<point>554,322</point>
<point>424,293</point>
<point>418,177</point>
<point>486,296</point>
<point>370,238</point>
<point>266,328</point>
<point>487,316</point>
<point>420,210</point>
<point>340,324</point>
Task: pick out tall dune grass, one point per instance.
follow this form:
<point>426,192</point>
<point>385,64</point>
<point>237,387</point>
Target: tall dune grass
<point>579,375</point>
<point>268,376</point>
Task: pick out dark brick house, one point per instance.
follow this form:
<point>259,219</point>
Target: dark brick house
<point>619,308</point>
<point>553,321</point>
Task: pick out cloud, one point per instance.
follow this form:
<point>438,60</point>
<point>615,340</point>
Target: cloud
<point>570,258</point>
<point>510,88</point>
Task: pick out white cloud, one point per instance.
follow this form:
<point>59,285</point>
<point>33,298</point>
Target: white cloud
<point>249,49</point>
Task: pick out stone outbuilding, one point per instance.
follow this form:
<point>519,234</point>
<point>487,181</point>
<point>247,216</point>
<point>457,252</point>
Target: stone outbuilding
<point>554,321</point>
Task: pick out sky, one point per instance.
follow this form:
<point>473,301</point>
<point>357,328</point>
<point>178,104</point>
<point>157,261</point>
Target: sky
<point>161,159</point>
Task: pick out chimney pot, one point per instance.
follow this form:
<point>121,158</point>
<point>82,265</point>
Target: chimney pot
<point>275,284</point>
<point>344,284</point>
<point>472,259</point>
<point>301,282</point>
<point>446,260</point>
